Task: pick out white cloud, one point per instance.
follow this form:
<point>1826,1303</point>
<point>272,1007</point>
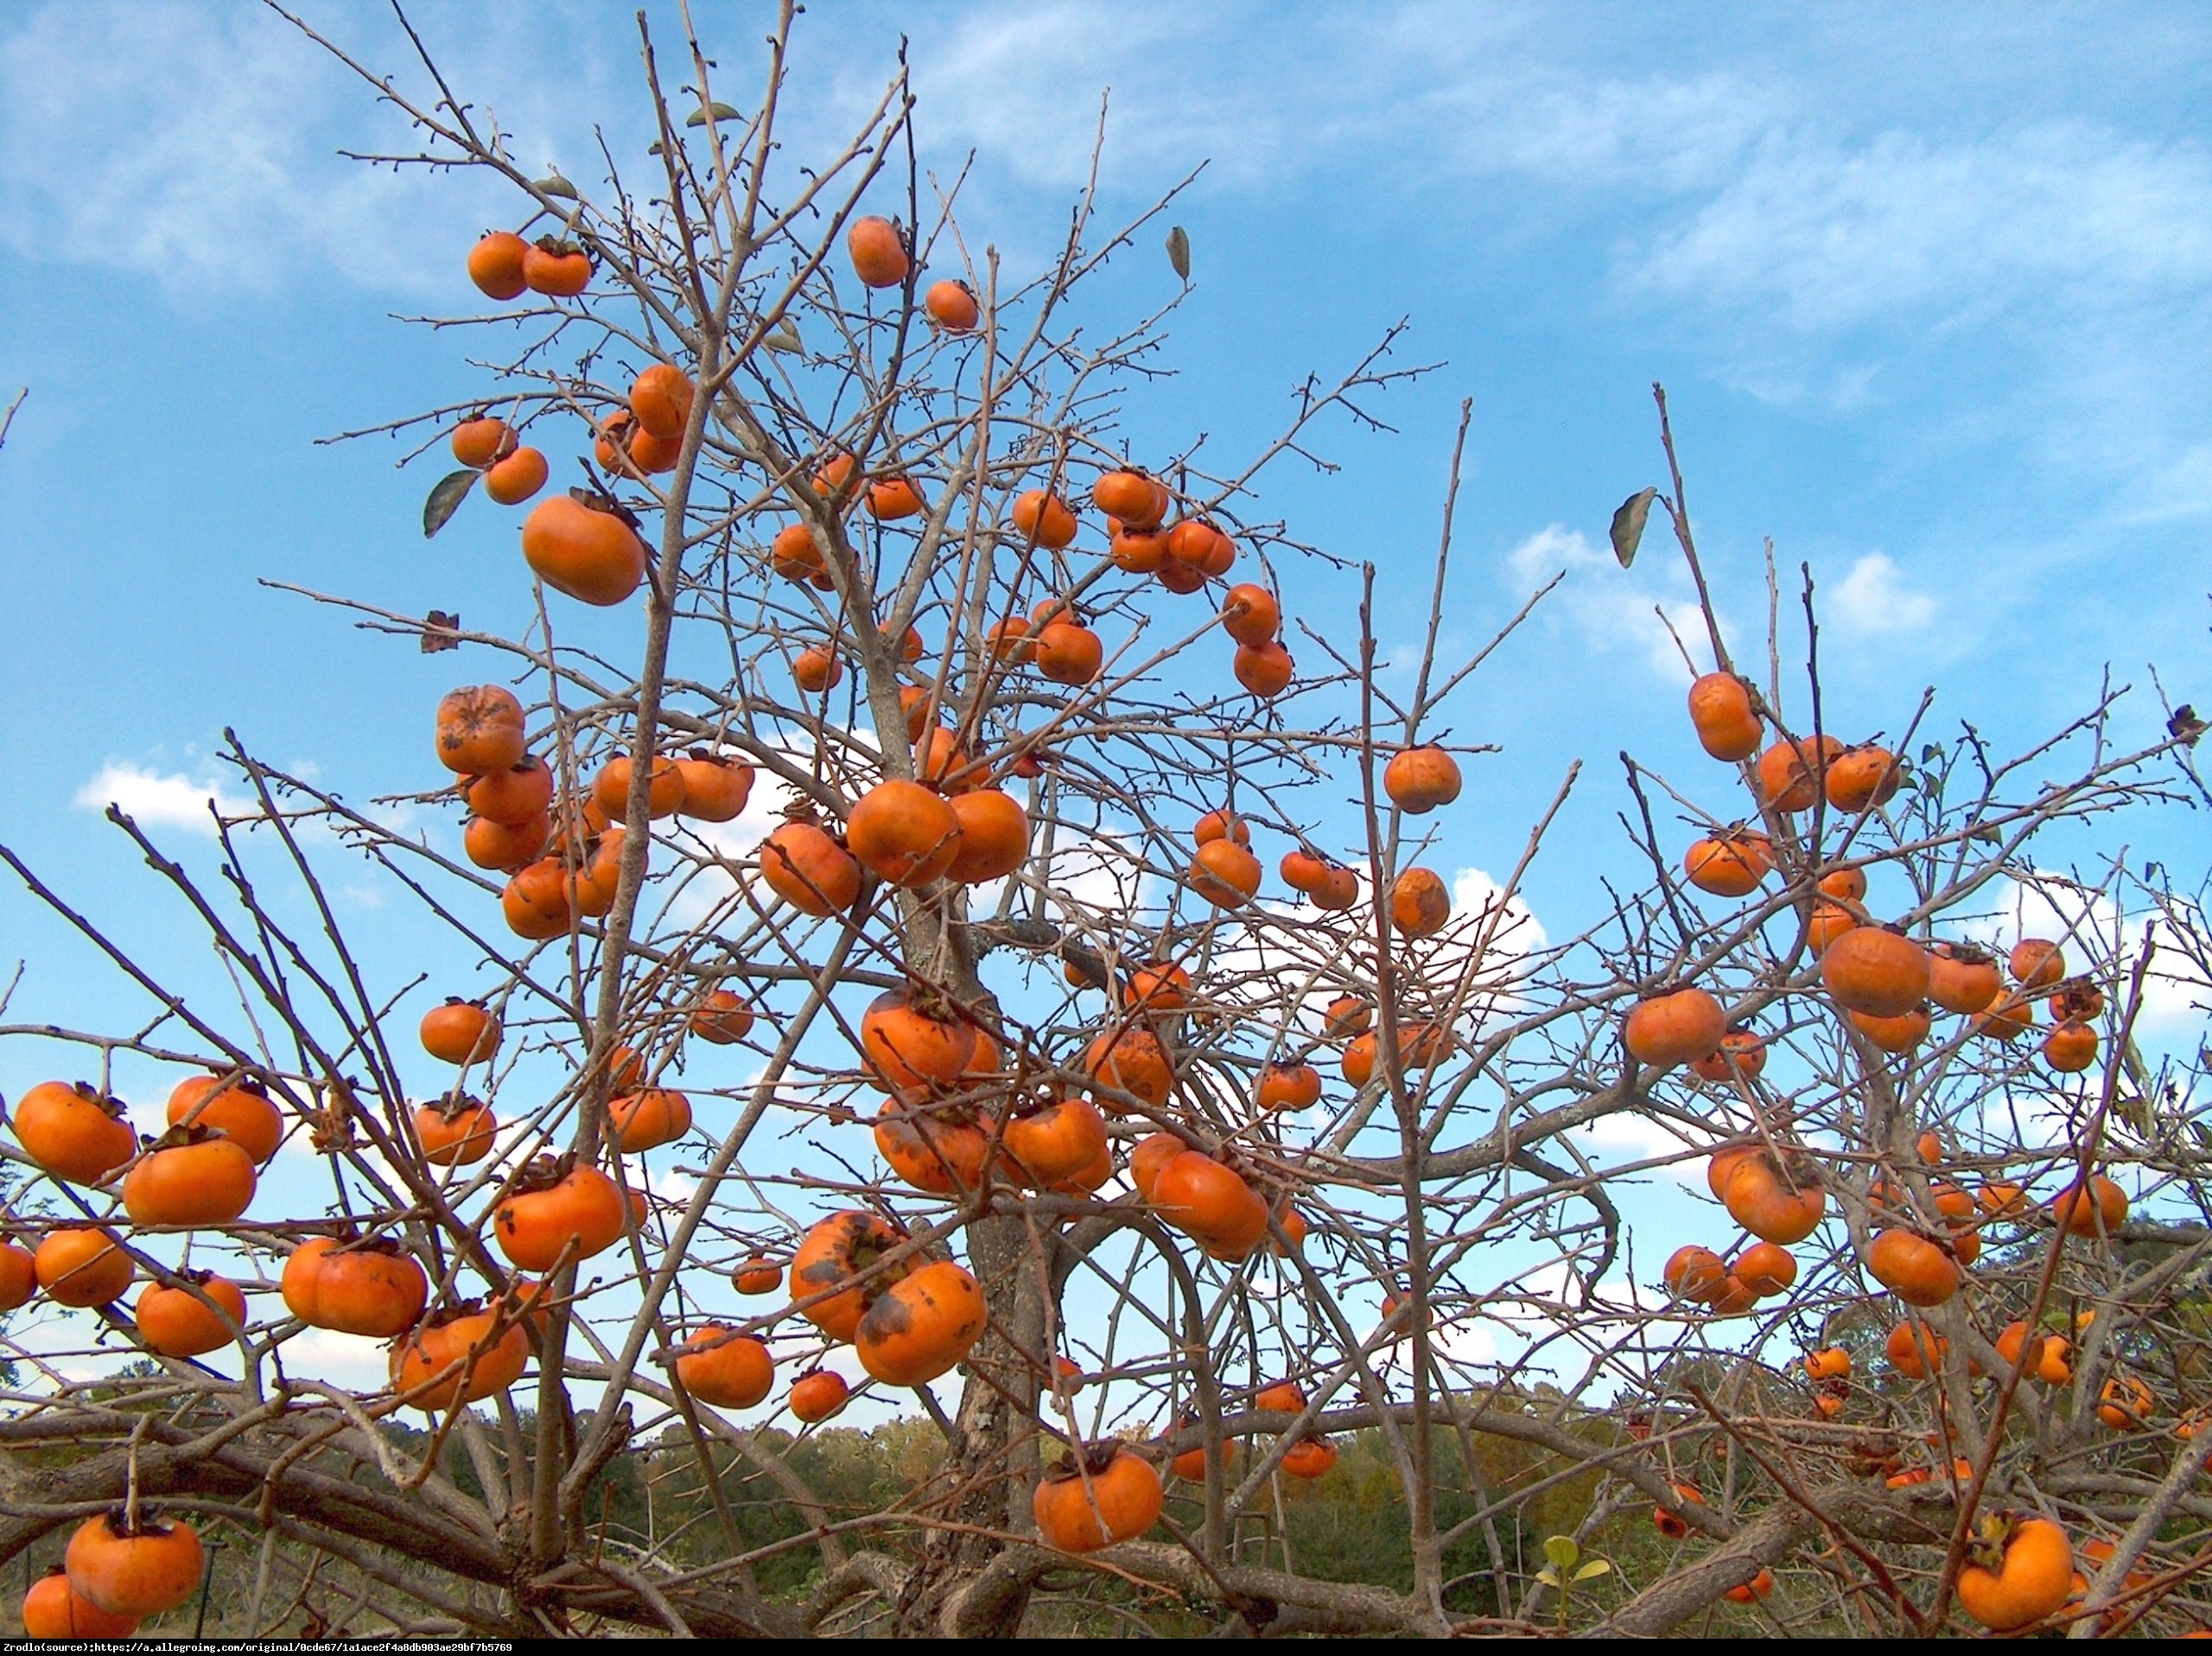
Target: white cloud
<point>1872,599</point>
<point>156,799</point>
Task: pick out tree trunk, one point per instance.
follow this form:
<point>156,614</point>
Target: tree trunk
<point>991,1463</point>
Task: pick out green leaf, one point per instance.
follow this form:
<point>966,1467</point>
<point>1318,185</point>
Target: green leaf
<point>714,112</point>
<point>1547,1578</point>
<point>1562,1550</point>
<point>1628,525</point>
<point>553,184</point>
<point>1179,252</point>
<point>784,337</point>
<point>445,500</point>
<point>1930,754</point>
<point>1595,1567</point>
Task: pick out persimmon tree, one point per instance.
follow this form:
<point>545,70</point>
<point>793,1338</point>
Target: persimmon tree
<point>863,876</point>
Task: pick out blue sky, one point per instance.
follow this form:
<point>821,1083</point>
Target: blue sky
<point>1932,294</point>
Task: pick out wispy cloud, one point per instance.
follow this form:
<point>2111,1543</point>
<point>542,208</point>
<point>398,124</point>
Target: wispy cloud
<point>1608,607</point>
<point>160,798</point>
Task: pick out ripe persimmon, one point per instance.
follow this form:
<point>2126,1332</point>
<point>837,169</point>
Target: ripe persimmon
<point>1873,970</point>
<point>808,870</point>
<point>1766,1268</point>
<point>909,1041</point>
<point>460,1032</point>
<point>1741,1052</point>
<point>903,832</point>
<point>175,1321</point>
<point>1131,1061</point>
<point>1678,1028</point>
<point>553,1211</point>
<point>73,1131</point>
<point>1917,1270</point>
<point>495,265</point>
<point>715,786</point>
<point>1729,864</point>
<point>460,1355</point>
<point>477,443</point>
<point>364,1288</point>
<point>2070,1048</point>
<point>18,1276</point>
<point>1266,670</point>
<point>1789,773</point>
<point>82,1266</point>
<point>584,550</point>
<point>517,477</point>
<point>649,1118</point>
<point>1720,710</point>
<point>951,305</point>
<point>878,251</point>
<point>1211,1202</point>
<point>1044,517</point>
<point>2100,1213</point>
<point>557,268</point>
<point>1114,1495</point>
<point>1057,1140</point>
<point>54,1610</point>
<point>1251,616</point>
<point>660,397</point>
<point>233,1104</point>
<point>994,839</point>
<point>1289,1086</point>
<point>134,1569</point>
<point>1775,1205</point>
<point>729,1370</point>
<point>1419,779</point>
<point>818,1395</point>
<point>1224,873</point>
<point>192,1176</point>
<point>2020,1571</point>
<point>1694,1273</point>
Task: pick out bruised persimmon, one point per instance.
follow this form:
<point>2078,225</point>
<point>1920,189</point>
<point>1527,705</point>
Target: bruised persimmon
<point>1420,904</point>
<point>480,729</point>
